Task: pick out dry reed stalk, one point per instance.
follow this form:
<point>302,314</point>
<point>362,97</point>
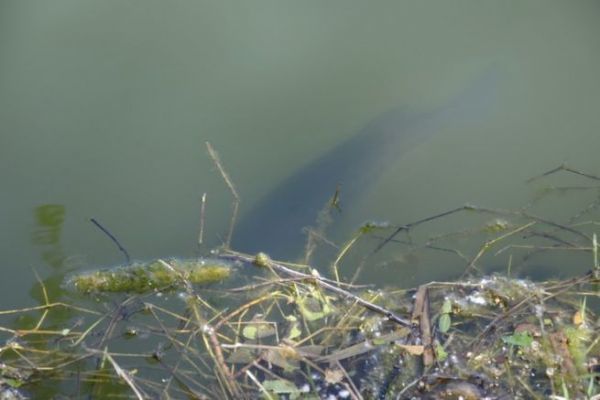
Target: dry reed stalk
<point>202,219</point>
<point>236,198</point>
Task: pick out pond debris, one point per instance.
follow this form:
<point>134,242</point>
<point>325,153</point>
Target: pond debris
<point>299,336</point>
<point>293,333</point>
<point>142,277</point>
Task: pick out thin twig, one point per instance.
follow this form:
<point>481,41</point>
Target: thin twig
<point>322,222</point>
<point>341,255</point>
<point>202,218</point>
<point>236,198</point>
<point>540,248</point>
<point>595,252</point>
<point>113,238</point>
<point>350,386</point>
<point>486,246</point>
<point>48,306</point>
<point>413,224</point>
<point>260,386</point>
<point>120,372</point>
<point>563,167</point>
<point>47,301</point>
<point>470,207</point>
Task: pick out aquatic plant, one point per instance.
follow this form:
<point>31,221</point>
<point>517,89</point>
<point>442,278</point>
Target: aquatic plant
<point>142,277</point>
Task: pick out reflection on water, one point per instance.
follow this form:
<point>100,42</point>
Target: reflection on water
<point>46,236</point>
<point>49,220</point>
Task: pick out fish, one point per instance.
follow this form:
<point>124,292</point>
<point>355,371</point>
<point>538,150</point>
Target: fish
<point>276,224</point>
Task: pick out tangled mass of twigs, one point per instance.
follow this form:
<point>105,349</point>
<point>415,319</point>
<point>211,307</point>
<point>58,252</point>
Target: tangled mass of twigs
<point>265,329</point>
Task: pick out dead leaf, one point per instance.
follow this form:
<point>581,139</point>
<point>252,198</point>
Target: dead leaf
<point>413,350</point>
<point>578,318</point>
<point>333,376</point>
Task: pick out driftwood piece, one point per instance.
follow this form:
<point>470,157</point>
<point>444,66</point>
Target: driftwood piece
<point>420,315</point>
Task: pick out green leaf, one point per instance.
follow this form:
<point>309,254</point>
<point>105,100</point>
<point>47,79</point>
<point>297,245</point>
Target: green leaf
<point>314,306</point>
<point>295,331</point>
<point>281,386</point>
<point>440,353</point>
<point>444,323</point>
<point>521,339</point>
<point>14,383</point>
<point>242,356</point>
<point>250,332</point>
<point>446,307</point>
<point>258,330</point>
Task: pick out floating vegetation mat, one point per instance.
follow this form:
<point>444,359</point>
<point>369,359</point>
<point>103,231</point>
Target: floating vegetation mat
<point>156,275</point>
<point>291,334</point>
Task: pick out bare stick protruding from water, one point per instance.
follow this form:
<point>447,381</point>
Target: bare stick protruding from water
<point>113,238</point>
<point>202,218</point>
<point>236,198</point>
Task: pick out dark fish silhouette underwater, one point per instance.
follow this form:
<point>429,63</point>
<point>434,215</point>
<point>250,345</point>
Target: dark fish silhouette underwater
<point>275,225</point>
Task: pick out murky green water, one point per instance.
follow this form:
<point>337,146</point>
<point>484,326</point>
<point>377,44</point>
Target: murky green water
<point>105,108</point>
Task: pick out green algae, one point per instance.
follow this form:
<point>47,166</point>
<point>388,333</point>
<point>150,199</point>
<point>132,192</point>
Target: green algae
<point>141,277</point>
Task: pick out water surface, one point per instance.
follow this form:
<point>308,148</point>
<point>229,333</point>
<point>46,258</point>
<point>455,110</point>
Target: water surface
<point>105,108</point>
